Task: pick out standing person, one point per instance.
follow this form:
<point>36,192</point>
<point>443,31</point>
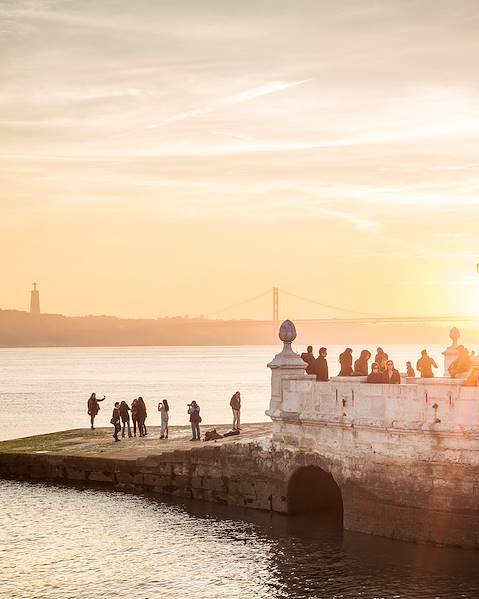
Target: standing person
<point>410,370</point>
<point>134,415</point>
<point>164,408</point>
<point>381,359</point>
<point>361,367</point>
<point>346,361</point>
<point>93,407</point>
<point>425,364</point>
<point>321,365</point>
<point>115,420</point>
<point>308,357</point>
<point>235,403</point>
<point>195,419</point>
<point>141,416</point>
<point>125,418</point>
<point>391,376</point>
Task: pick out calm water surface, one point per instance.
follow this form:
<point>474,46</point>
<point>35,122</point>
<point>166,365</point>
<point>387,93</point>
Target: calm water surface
<point>58,543</point>
<point>62,543</point>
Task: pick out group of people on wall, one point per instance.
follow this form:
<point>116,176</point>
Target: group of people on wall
<point>122,422</point>
<point>382,369</point>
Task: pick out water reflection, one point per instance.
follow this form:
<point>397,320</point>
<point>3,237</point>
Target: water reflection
<point>57,542</point>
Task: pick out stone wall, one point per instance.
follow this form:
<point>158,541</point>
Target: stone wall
<point>405,457</point>
<point>240,474</point>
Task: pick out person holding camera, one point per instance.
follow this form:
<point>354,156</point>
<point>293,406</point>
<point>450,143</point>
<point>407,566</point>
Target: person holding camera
<point>93,407</point>
<point>164,408</point>
<point>195,419</point>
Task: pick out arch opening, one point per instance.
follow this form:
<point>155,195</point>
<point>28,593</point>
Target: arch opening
<point>312,490</point>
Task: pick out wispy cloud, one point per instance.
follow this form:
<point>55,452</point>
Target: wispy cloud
<point>358,222</point>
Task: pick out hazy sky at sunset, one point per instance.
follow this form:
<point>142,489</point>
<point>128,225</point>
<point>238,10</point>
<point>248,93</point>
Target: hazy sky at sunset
<point>162,158</point>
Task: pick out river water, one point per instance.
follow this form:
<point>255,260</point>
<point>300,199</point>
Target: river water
<point>59,543</point>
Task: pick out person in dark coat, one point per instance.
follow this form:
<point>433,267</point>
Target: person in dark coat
<point>93,407</point>
<point>425,364</point>
<point>381,359</point>
<point>141,417</point>
<point>125,418</point>
<point>195,419</point>
<point>346,361</point>
<point>115,420</point>
<point>134,415</point>
<point>410,370</point>
<point>391,376</point>
<point>308,357</point>
<point>235,403</point>
<point>321,365</point>
<point>375,376</point>
<point>361,366</point>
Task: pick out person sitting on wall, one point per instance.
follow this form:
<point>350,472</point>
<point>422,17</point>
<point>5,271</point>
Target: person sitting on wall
<point>410,370</point>
<point>473,378</point>
<point>381,359</point>
<point>376,377</point>
<point>391,376</point>
<point>308,357</point>
<point>425,364</point>
<point>361,367</point>
<point>346,361</point>
<point>321,365</point>
<point>462,364</point>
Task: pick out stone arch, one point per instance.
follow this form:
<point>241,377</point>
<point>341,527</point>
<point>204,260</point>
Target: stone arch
<point>312,490</point>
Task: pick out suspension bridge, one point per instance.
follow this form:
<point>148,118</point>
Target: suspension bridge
<point>346,315</point>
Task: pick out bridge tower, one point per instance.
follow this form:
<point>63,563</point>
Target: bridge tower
<point>35,300</point>
<point>275,305</point>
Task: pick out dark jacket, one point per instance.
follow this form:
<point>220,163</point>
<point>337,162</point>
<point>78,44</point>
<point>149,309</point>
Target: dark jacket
<point>310,361</point>
<point>395,377</point>
<point>361,367</point>
<point>381,359</point>
<point>235,402</point>
<point>124,409</point>
<point>376,378</point>
<point>116,415</point>
<point>194,412</point>
<point>93,407</point>
<point>346,361</point>
<point>140,410</point>
<point>321,369</point>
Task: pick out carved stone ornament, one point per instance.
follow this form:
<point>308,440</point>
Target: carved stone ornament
<point>287,332</point>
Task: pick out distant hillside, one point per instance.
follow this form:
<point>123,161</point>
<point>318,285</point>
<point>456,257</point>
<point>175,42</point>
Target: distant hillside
<point>21,329</point>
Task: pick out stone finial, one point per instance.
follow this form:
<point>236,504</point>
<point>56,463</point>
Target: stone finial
<point>287,358</point>
<point>287,332</point>
<point>451,353</point>
<point>454,335</point>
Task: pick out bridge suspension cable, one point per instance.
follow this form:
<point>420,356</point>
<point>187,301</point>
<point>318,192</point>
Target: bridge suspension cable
<point>241,303</point>
<point>330,307</point>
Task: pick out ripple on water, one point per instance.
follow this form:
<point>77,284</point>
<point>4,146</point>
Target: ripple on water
<point>58,543</point>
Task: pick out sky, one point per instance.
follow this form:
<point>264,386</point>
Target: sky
<point>165,158</point>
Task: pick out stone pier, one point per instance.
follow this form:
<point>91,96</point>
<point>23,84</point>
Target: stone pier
<point>401,461</point>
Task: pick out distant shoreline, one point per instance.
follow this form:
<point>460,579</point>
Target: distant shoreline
<point>24,330</point>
